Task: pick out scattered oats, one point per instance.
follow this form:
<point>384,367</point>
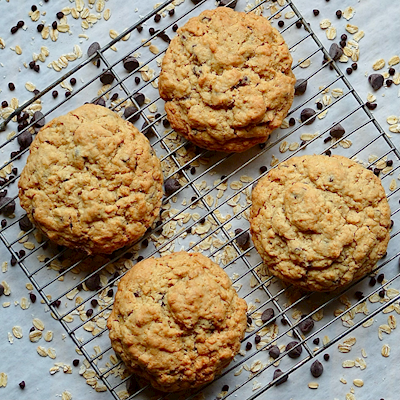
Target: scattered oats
<point>344,348</point>
<point>68,318</point>
<point>392,119</point>
<point>107,14</point>
<point>331,33</point>
<point>66,395</point>
<point>70,295</point>
<point>2,43</point>
<point>84,24</point>
<point>79,5</point>
<point>374,298</point>
<point>396,78</point>
<point>51,353</point>
<point>6,304</point>
<point>337,92</point>
<point>3,379</point>
<point>289,15</point>
<point>274,161</point>
<point>348,364</point>
<point>35,336</point>
<point>41,351</point>
<point>24,303</point>
<point>100,5</point>
<point>393,185</point>
<point>325,340</point>
<point>154,49</point>
<point>29,286</point>
<point>347,51</point>
<point>78,51</point>
<point>385,350</point>
<point>294,146</point>
<point>4,266</point>
<point>53,34</point>
<point>63,28</point>
<point>345,143</point>
<point>343,381</point>
<point>348,13</point>
<point>48,336</point>
<point>325,23</point>
<point>358,36</point>
<point>283,147</point>
<point>100,387</point>
<point>35,15</point>
<point>30,87</point>
<point>17,332</point>
<point>308,136</point>
<point>350,396</point>
<point>313,385</point>
<point>351,28</point>
<point>29,245</point>
<point>394,60</point>
<point>304,64</point>
<point>285,124</point>
<point>356,55</point>
<point>113,33</point>
<point>379,64</point>
<point>38,324</point>
<point>10,338</point>
<point>45,33</point>
<point>18,50</point>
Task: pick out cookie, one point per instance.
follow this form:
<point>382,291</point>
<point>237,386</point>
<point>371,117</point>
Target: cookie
<point>177,321</point>
<point>91,181</point>
<point>320,222</point>
<point>226,79</point>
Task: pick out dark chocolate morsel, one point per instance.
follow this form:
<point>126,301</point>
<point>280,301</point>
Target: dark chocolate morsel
<point>376,81</point>
<point>171,185</point>
<point>25,224</point>
<point>300,86</point>
<point>316,369</point>
<point>335,51</point>
<point>337,131</point>
<point>308,114</point>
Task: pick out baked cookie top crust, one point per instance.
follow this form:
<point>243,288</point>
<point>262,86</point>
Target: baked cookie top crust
<point>320,222</point>
<point>226,79</point>
<point>177,321</point>
<point>91,181</point>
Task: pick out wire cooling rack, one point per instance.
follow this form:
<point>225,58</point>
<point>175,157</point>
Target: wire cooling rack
<point>205,213</point>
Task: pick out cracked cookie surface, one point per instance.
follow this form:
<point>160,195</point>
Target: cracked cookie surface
<point>320,222</point>
<point>91,181</point>
<point>177,321</point>
<point>227,80</point>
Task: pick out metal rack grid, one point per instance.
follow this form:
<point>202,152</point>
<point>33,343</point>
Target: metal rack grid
<point>213,201</point>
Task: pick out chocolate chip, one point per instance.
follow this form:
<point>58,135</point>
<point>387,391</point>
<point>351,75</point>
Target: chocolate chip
<point>243,240</point>
<point>281,24</point>
<point>335,52</point>
<point>376,81</point>
<point>391,71</point>
<point>316,12</point>
<point>32,297</point>
<point>152,31</point>
<point>292,121</point>
<point>225,388</point>
<point>227,3</point>
<point>56,303</point>
<point>380,278</point>
<point>93,282</point>
<point>300,86</point>
<point>110,293</point>
<point>307,116</point>
<point>132,386</point>
<point>93,48</point>
<point>75,362</point>
<point>316,341</point>
<point>359,295</point>
<point>4,104</point>
<point>40,27</point>
<point>277,374</point>
<point>326,357</point>
<point>349,71</point>
<point>299,24</point>
<point>13,261</point>
<point>171,185</point>
<point>129,113</point>
<point>139,28</point>
<point>339,14</point>
<point>316,369</point>
<point>100,102</point>
<point>39,119</point>
<point>107,77</point>
<point>25,224</point>
<point>381,293</point>
<point>54,93</point>
<point>157,18</point>
<point>354,66</point>
<point>139,98</point>
<point>293,351</point>
<point>267,315</point>
<point>1,289</point>
<point>7,206</point>
<point>54,24</point>
<point>175,27</point>
<point>306,325</point>
<point>33,8</point>
<point>248,346</point>
<point>171,12</point>
<point>14,29</point>
<point>274,352</point>
<point>72,81</point>
<point>89,312</point>
<point>257,339</point>
<point>371,106</point>
<point>11,86</point>
<point>130,63</point>
<point>337,131</point>
<point>372,281</point>
<point>389,82</point>
<point>94,303</point>
<point>163,36</point>
<point>22,384</point>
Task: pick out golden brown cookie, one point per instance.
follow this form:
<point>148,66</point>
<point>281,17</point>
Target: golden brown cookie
<point>227,80</point>
<point>320,222</point>
<point>177,321</point>
<point>91,181</point>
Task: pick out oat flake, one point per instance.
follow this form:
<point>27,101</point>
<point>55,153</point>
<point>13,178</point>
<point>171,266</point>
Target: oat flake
<point>379,64</point>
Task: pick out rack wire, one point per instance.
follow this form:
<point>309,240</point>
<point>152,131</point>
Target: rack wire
<point>203,215</point>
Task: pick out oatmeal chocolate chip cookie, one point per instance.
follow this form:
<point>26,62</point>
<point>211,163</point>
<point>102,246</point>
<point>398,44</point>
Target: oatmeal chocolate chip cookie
<point>177,321</point>
<point>227,80</point>
<point>320,222</point>
<point>91,181</point>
